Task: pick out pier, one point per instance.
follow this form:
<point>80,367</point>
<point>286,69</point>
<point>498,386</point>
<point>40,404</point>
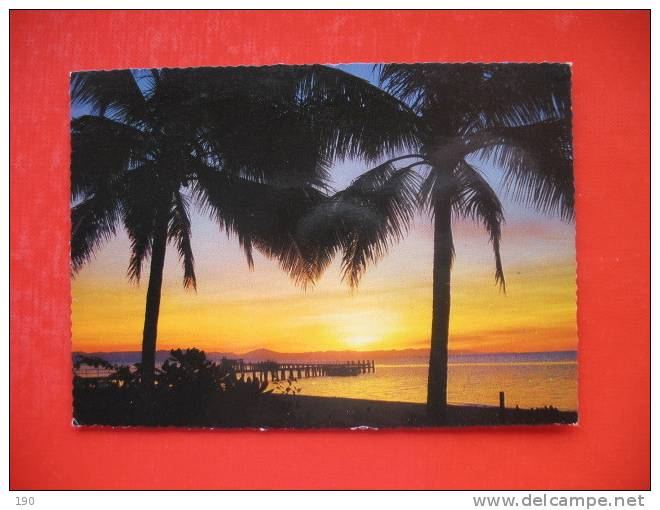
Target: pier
<point>266,370</point>
<point>273,371</point>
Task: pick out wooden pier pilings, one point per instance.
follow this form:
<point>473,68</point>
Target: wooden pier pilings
<point>269,370</point>
<point>273,371</point>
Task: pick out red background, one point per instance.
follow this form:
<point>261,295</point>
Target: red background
<point>609,449</point>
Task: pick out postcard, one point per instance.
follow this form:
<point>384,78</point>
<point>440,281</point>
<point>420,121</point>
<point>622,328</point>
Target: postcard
<point>323,246</point>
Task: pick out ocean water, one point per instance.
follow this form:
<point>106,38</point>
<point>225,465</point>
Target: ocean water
<point>527,381</point>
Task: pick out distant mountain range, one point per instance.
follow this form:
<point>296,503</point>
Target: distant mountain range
<point>392,355</point>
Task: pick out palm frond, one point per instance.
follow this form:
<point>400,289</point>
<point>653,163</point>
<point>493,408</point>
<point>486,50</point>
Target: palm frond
<point>101,151</point>
<point>93,222</point>
<point>408,82</point>
<point>524,94</point>
<point>356,119</point>
<point>303,229</point>
<point>141,199</point>
<point>109,93</point>
<point>264,217</point>
<point>476,200</point>
<point>537,161</point>
<point>455,98</point>
<point>370,215</point>
<point>249,121</point>
<point>179,233</point>
<point>271,144</point>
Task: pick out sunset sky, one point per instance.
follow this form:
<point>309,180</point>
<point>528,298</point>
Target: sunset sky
<point>237,310</point>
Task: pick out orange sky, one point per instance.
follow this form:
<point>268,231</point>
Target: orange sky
<point>237,310</point>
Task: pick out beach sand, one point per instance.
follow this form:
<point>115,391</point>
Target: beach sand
<point>302,411</point>
<point>285,411</point>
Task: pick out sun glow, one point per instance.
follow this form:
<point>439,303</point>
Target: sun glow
<point>360,340</point>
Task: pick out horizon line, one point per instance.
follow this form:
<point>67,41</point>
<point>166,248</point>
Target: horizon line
<point>462,351</point>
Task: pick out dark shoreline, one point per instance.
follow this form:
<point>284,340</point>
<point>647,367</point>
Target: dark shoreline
<point>309,412</point>
<point>304,411</point>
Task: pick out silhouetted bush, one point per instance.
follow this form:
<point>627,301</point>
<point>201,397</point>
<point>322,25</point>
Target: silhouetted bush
<point>189,390</point>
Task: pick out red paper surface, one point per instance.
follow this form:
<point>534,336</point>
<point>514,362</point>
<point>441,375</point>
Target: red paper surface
<point>609,449</point>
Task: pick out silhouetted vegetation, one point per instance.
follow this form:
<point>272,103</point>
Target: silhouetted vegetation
<point>189,390</point>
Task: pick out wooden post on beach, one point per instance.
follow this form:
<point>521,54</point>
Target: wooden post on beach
<point>501,411</point>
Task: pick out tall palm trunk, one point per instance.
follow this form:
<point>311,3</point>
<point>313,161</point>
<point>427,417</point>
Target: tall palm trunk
<point>150,331</point>
<point>442,260</point>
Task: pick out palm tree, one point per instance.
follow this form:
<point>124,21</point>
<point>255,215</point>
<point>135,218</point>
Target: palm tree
<point>516,116</point>
<point>251,147</point>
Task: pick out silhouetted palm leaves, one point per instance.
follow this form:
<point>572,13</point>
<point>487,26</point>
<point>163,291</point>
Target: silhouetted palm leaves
<point>252,147</point>
<point>517,114</point>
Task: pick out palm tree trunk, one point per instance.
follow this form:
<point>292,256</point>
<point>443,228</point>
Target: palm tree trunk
<point>152,310</point>
<point>436,402</point>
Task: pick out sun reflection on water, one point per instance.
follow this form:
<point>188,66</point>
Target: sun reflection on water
<point>526,384</point>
